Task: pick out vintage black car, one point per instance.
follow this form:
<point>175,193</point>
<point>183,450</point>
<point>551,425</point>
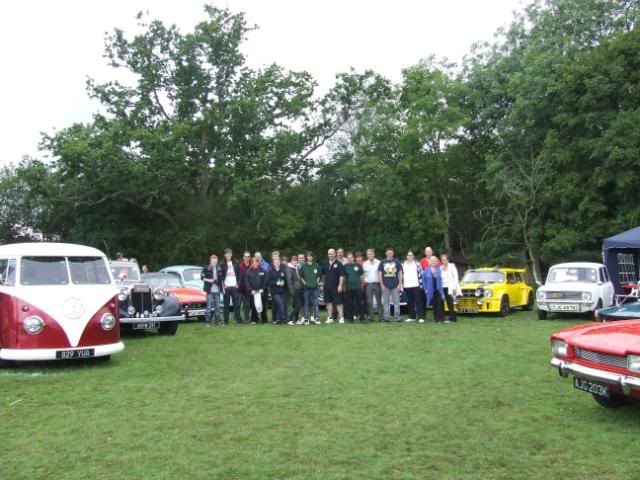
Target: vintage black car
<point>141,306</point>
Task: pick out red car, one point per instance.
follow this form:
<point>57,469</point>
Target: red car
<point>603,358</point>
<point>193,301</point>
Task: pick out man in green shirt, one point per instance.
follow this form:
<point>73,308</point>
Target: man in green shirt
<point>310,275</point>
<point>353,298</point>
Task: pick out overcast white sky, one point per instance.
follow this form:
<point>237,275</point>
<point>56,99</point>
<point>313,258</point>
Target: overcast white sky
<point>48,48</point>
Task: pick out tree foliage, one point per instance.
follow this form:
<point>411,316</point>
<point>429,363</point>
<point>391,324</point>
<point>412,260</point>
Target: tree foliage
<point>528,153</point>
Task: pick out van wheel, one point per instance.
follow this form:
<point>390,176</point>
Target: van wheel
<point>168,328</point>
<point>542,314</point>
<point>7,363</point>
<point>614,401</point>
<point>529,306</point>
<point>504,306</point>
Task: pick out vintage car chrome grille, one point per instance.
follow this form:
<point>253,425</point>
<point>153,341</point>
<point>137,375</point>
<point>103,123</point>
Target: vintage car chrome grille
<point>141,302</point>
<point>197,306</point>
<point>468,293</point>
<point>564,295</point>
<point>603,358</point>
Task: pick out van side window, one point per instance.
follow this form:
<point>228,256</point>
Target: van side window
<point>518,277</point>
<point>511,278</point>
<point>7,271</point>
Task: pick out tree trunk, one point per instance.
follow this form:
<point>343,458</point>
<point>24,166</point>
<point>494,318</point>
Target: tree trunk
<point>447,224</point>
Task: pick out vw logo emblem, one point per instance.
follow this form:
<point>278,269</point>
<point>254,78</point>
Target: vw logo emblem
<point>73,308</point>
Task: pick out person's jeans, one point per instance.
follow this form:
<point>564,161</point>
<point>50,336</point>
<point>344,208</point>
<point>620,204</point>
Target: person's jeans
<point>388,296</point>
<point>246,305</point>
<point>279,308</point>
<point>213,299</point>
<point>438,309</point>
<point>311,300</point>
<point>371,290</point>
<point>232,293</point>
<point>415,302</point>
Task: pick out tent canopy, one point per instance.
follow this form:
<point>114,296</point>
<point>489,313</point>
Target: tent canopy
<point>628,244</point>
<point>628,239</point>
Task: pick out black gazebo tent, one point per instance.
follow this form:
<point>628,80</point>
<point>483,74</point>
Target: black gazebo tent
<point>621,254</point>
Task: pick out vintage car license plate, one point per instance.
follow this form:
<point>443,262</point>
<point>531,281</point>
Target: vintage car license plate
<point>563,307</point>
<point>467,310</point>
<point>71,354</point>
<point>590,387</point>
<point>146,325</point>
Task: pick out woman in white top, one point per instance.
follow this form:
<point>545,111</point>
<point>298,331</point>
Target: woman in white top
<point>450,284</point>
<point>412,285</point>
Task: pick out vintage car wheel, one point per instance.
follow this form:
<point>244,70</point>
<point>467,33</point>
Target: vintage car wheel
<point>168,328</point>
<point>542,314</point>
<point>529,306</point>
<point>504,306</point>
<point>614,401</point>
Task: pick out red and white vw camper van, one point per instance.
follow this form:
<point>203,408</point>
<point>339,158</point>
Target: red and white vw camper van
<point>58,301</point>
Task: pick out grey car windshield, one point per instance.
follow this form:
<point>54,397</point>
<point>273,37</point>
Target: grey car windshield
<point>191,274</point>
<point>483,277</point>
<point>170,281</point>
<point>573,274</point>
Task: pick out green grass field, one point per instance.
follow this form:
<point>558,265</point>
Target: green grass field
<point>472,400</point>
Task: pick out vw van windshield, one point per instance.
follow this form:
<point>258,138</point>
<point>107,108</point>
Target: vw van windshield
<point>483,277</point>
<point>573,274</point>
<point>89,271</point>
<point>43,271</point>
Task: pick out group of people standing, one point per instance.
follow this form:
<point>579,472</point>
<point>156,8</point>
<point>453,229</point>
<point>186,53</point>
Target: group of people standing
<point>353,288</point>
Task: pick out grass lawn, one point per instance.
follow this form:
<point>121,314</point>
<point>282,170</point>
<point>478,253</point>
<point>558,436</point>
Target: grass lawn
<point>472,400</point>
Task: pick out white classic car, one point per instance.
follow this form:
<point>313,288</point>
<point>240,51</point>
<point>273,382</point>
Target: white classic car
<point>577,287</point>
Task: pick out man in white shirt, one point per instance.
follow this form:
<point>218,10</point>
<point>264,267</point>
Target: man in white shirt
<point>372,284</point>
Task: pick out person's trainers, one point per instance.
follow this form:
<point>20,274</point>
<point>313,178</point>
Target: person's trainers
<point>316,321</point>
<point>253,323</point>
<point>409,320</point>
<point>300,322</point>
<point>421,320</point>
<point>207,324</point>
<point>329,320</point>
<point>291,322</point>
<point>341,320</point>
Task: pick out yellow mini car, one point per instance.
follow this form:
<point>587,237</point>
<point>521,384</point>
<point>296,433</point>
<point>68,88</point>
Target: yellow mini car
<point>494,290</point>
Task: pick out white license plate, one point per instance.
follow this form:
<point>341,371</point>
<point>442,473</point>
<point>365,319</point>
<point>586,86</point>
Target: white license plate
<point>564,307</point>
<point>590,387</point>
<point>146,325</point>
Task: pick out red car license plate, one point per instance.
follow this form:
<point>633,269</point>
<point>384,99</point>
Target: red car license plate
<point>591,387</point>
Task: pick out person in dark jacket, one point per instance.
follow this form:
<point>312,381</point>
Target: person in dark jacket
<point>277,283</point>
<point>296,291</point>
<point>244,294</point>
<point>209,276</point>
<point>256,283</point>
<point>229,280</point>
